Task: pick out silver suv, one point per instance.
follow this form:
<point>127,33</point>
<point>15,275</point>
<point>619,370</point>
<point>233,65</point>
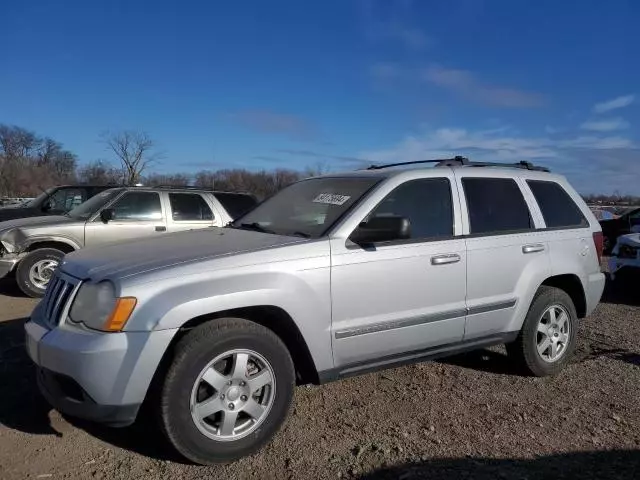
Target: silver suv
<point>334,276</point>
<point>34,247</point>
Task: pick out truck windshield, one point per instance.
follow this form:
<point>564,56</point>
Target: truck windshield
<point>39,200</point>
<point>85,210</point>
<point>308,208</point>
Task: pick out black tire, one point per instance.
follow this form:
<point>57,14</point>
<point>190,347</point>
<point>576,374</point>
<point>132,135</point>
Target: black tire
<point>524,349</point>
<point>192,353</point>
<point>22,273</point>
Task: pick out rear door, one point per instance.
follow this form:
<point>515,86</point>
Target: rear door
<point>505,253</point>
<point>136,214</point>
<point>188,211</point>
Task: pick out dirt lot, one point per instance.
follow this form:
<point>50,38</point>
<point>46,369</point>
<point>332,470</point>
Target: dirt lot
<point>471,416</point>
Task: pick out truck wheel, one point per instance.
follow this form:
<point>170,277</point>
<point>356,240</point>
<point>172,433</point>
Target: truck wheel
<point>227,391</point>
<point>548,336</point>
<point>36,269</point>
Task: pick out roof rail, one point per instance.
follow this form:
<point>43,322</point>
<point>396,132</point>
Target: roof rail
<point>179,187</point>
<point>459,161</point>
<point>415,162</point>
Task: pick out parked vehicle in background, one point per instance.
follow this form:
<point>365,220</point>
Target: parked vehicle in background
<point>613,228</point>
<point>626,254</point>
<point>331,277</point>
<point>54,201</point>
<point>33,247</point>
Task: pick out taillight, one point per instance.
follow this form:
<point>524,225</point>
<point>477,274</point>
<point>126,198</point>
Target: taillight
<point>598,240</point>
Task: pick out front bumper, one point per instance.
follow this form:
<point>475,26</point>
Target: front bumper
<point>102,377</point>
<point>8,264</point>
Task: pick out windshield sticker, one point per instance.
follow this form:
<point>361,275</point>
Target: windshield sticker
<point>331,198</point>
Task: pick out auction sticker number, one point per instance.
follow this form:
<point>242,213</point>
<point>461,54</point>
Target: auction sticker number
<point>331,198</point>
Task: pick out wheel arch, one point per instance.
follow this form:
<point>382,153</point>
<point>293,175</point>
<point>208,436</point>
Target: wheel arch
<point>57,244</point>
<point>272,317</point>
<point>572,285</point>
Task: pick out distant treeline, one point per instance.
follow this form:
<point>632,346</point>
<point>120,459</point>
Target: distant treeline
<point>30,163</point>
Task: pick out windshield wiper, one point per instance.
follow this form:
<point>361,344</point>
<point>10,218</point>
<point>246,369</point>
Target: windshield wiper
<point>300,234</point>
<point>256,227</point>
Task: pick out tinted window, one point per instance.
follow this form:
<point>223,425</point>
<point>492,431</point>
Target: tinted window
<point>66,199</point>
<point>427,205</point>
<point>495,205</point>
<point>189,207</point>
<point>236,204</point>
<point>558,209</point>
<point>138,206</point>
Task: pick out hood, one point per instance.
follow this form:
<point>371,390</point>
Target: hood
<point>11,212</point>
<point>632,239</point>
<point>35,222</point>
<point>130,258</point>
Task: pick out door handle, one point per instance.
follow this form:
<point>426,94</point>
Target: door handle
<point>445,259</point>
<point>537,247</point>
<point>161,229</point>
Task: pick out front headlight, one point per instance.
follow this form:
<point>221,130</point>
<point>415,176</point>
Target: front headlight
<point>97,307</point>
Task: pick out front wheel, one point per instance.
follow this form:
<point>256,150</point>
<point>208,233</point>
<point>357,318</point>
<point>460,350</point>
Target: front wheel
<point>227,391</point>
<point>36,269</point>
<point>548,336</point>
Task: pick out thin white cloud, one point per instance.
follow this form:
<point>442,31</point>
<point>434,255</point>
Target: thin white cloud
<point>618,102</point>
<point>605,125</point>
<point>464,83</point>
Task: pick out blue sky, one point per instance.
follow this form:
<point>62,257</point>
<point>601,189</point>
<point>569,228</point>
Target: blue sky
<point>267,84</point>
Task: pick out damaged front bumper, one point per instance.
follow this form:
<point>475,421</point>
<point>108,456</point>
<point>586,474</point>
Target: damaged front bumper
<point>625,254</point>
<point>8,264</point>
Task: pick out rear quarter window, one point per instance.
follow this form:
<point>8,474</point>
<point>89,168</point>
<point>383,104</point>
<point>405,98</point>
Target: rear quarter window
<point>558,208</point>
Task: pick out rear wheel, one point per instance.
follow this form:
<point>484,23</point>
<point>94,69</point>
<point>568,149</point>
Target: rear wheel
<point>548,336</point>
<point>227,391</point>
<point>36,269</point>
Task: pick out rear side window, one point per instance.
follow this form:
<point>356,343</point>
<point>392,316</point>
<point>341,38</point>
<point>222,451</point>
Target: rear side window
<point>426,203</point>
<point>236,204</point>
<point>496,205</point>
<point>189,207</point>
<point>558,208</point>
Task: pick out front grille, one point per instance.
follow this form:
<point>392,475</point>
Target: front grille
<point>56,297</point>
<point>627,251</point>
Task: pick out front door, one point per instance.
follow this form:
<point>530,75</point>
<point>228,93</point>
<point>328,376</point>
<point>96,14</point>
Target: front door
<point>401,297</point>
<point>135,215</point>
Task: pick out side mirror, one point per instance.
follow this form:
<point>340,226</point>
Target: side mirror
<point>106,215</point>
<point>47,205</point>
<point>382,229</point>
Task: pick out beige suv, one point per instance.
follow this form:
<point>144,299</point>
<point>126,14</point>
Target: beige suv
<point>33,247</point>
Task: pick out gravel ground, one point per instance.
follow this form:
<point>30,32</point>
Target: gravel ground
<point>469,416</point>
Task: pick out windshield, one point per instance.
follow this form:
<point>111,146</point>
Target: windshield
<point>39,200</point>
<point>307,208</point>
<point>85,210</point>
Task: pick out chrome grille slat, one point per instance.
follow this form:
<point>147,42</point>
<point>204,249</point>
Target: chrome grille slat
<point>57,297</point>
<point>50,295</point>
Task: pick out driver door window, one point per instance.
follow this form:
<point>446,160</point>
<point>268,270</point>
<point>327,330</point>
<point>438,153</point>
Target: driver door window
<point>426,203</point>
<point>135,215</point>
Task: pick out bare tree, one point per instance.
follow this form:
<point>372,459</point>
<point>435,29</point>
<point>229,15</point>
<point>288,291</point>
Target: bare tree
<point>134,150</point>
<point>100,173</point>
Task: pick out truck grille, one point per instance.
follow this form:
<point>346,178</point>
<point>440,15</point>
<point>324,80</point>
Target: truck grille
<point>56,298</point>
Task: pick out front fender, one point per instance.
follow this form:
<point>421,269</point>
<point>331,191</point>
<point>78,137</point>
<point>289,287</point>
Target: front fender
<point>304,295</point>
